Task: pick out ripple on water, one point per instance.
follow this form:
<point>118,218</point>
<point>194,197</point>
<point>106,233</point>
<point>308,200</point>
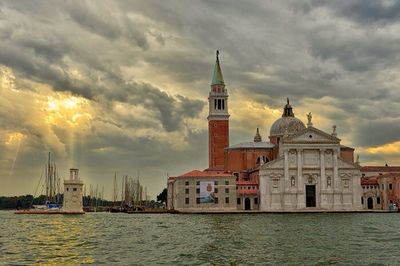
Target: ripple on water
<point>123,239</point>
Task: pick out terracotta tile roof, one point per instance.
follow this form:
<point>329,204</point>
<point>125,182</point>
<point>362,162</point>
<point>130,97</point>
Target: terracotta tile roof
<point>219,169</point>
<point>247,191</point>
<point>251,145</point>
<point>197,173</point>
<point>346,147</point>
<point>392,174</point>
<point>247,182</point>
<point>372,180</point>
<point>380,169</point>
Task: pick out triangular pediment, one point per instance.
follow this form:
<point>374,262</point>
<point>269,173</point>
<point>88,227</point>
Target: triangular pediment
<point>277,163</point>
<point>311,135</point>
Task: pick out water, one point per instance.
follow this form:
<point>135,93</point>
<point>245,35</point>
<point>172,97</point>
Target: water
<point>154,239</point>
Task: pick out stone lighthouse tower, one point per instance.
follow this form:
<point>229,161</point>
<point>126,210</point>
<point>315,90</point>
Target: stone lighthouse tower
<point>73,193</point>
<point>218,119</point>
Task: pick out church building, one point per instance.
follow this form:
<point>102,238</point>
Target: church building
<point>299,168</point>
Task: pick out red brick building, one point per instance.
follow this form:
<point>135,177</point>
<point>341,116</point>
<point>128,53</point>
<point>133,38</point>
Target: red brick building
<point>381,187</point>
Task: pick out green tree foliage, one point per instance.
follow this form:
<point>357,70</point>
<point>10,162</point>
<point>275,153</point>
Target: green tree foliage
<point>162,197</point>
<point>7,203</point>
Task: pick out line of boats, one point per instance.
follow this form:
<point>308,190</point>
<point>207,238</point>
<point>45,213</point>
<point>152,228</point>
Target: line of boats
<point>133,195</point>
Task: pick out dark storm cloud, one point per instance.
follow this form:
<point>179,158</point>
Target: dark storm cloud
<point>343,51</point>
<point>356,53</point>
<point>377,132</point>
<point>96,18</point>
<point>364,11</point>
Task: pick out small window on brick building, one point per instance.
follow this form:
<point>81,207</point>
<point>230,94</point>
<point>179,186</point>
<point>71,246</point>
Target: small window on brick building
<point>378,200</point>
<point>197,183</point>
<point>390,186</point>
<point>186,183</point>
<point>215,190</point>
<point>67,189</point>
<point>226,190</point>
<point>186,200</point>
<point>226,182</point>
<point>238,201</point>
<point>216,183</point>
<point>255,200</point>
<point>227,200</point>
<point>74,189</point>
<point>216,200</point>
<point>362,200</point>
<point>198,190</point>
<point>187,191</point>
<point>198,200</point>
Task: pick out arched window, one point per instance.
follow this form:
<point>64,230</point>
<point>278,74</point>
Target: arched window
<point>328,181</point>
<point>263,157</point>
<point>292,181</point>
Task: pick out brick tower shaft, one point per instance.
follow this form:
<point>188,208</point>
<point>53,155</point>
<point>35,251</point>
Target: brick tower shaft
<point>218,119</point>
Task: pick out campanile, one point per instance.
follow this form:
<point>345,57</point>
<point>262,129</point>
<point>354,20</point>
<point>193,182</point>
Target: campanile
<point>218,119</point>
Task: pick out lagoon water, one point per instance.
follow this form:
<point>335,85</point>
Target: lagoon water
<point>231,239</point>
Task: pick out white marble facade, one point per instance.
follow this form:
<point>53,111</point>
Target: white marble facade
<point>310,175</point>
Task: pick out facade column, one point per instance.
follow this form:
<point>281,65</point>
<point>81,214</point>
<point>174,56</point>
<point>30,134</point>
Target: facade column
<point>263,191</point>
<point>322,166</point>
<point>301,203</point>
<point>299,182</point>
<point>337,192</point>
<point>286,202</point>
<point>286,170</point>
<point>322,186</point>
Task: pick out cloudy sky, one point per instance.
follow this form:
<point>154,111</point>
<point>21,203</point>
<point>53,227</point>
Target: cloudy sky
<point>122,86</point>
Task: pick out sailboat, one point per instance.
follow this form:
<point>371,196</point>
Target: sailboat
<point>52,186</point>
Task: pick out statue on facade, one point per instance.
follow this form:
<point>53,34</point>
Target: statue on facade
<point>309,117</point>
<point>334,131</point>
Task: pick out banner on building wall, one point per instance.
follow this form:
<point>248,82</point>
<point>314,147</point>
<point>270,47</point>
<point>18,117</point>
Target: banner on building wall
<point>207,192</point>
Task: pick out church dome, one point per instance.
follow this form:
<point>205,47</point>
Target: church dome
<point>287,124</point>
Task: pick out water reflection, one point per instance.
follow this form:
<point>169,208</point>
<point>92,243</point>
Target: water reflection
<point>49,240</point>
<point>123,239</point>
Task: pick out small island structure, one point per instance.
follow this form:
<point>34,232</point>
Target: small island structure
<point>72,203</point>
<point>73,193</point>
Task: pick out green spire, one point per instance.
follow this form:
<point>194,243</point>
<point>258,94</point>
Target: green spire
<point>217,79</point>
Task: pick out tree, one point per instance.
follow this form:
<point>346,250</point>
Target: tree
<point>162,197</point>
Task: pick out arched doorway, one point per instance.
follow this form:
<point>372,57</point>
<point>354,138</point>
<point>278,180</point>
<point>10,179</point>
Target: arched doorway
<point>370,203</point>
<point>247,204</point>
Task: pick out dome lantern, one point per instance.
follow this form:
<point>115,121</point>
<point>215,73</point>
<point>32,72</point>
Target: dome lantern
<point>288,124</point>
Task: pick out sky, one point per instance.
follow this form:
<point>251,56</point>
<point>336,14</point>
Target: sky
<point>121,86</point>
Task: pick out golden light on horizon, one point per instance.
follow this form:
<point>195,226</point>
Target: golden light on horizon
<point>389,148</point>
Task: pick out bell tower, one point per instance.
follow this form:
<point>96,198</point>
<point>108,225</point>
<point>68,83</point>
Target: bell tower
<point>218,119</point>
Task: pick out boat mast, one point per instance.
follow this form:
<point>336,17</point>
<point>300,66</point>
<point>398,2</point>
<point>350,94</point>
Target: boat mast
<point>115,189</point>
